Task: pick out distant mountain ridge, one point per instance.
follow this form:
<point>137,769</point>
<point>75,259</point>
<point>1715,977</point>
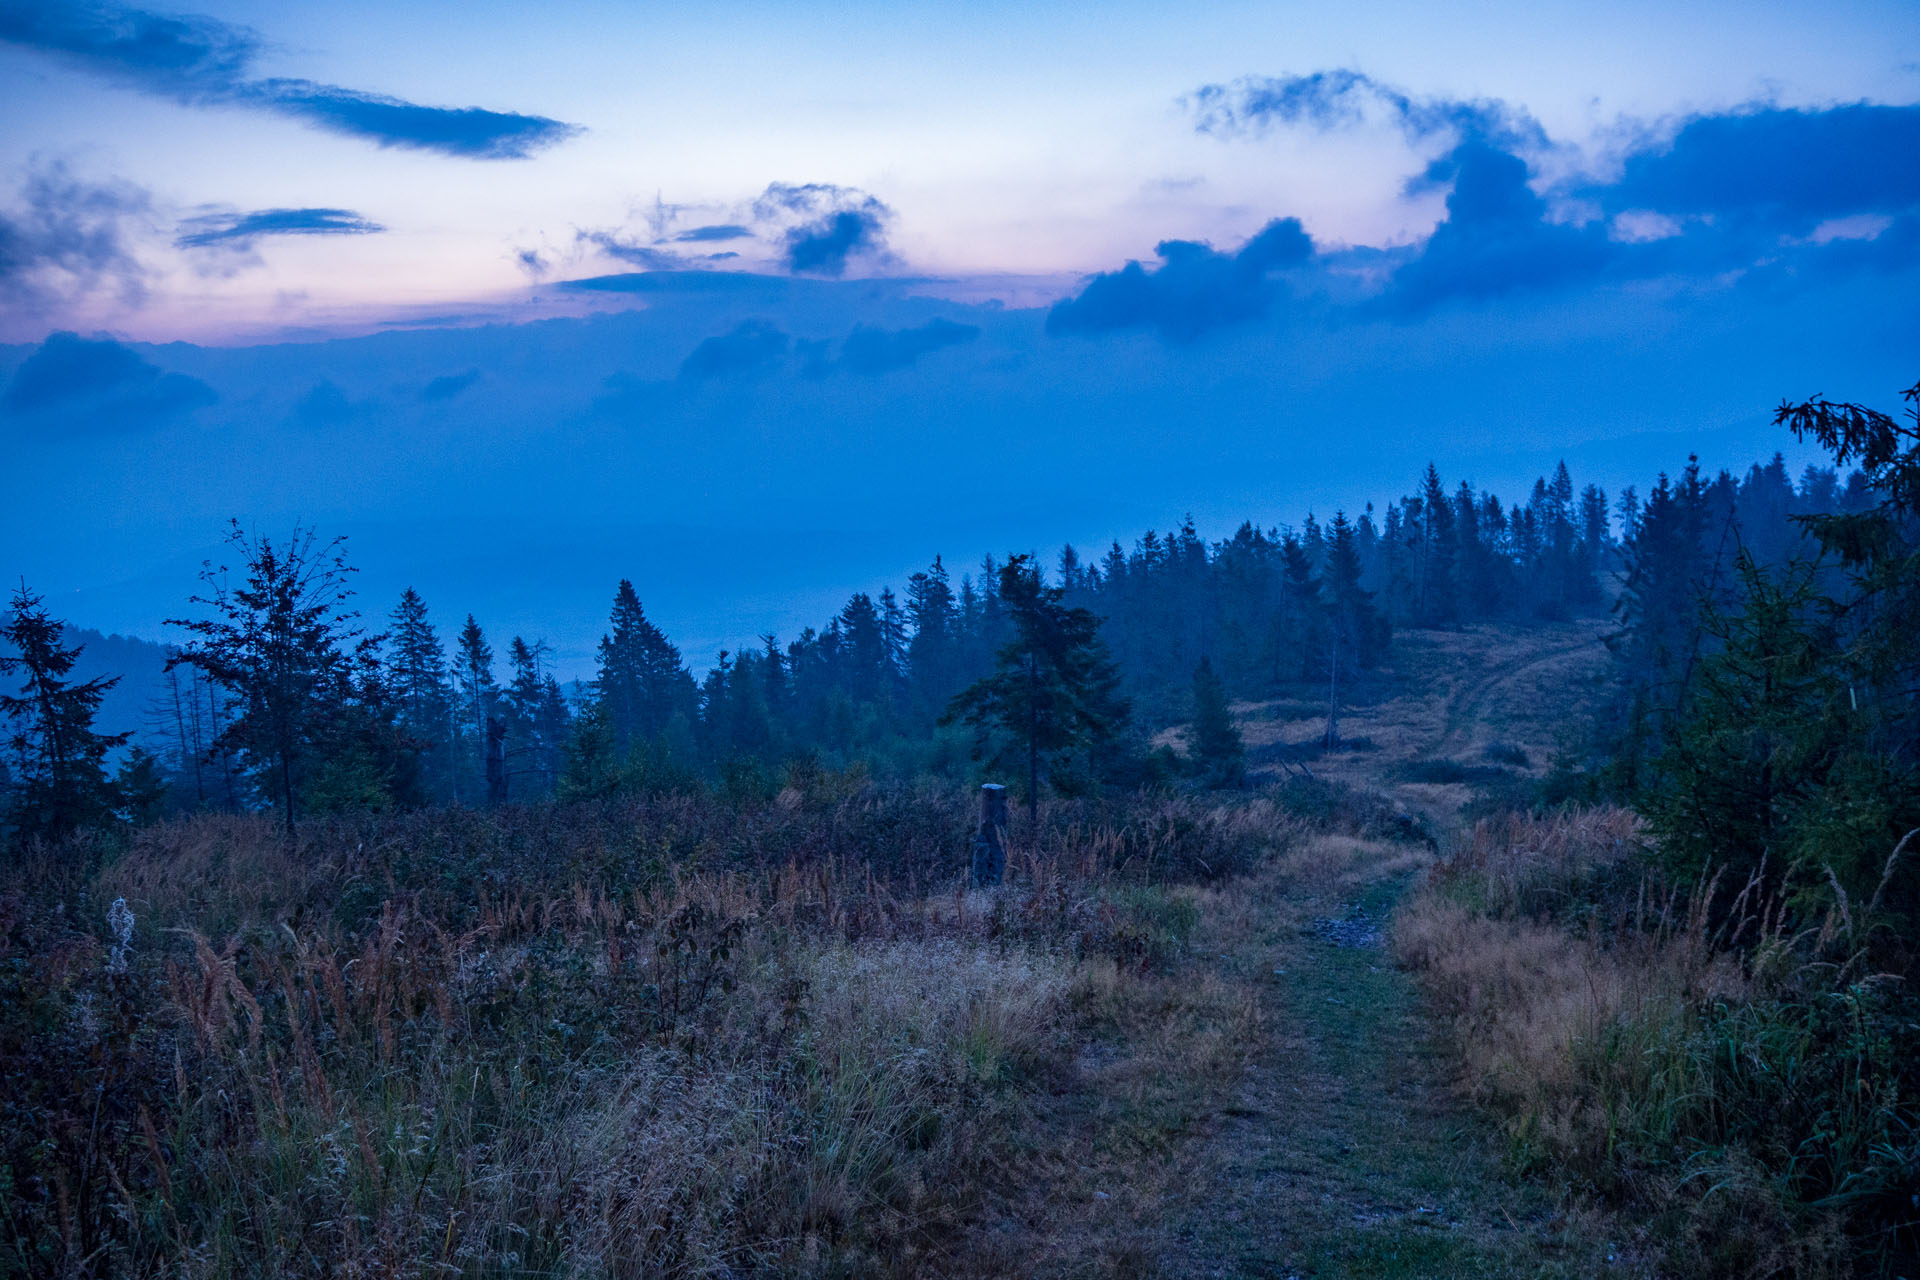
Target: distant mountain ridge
<point>141,665</point>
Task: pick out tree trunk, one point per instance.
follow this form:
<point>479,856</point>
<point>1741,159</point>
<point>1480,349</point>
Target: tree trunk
<point>1033,751</point>
<point>286,789</point>
<point>496,762</point>
<point>1333,695</point>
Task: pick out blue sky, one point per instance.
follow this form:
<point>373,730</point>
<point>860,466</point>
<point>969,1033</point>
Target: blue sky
<point>873,281</point>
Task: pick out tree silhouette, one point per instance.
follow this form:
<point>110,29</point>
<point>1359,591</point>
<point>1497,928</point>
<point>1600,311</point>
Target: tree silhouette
<point>277,641</point>
<point>1212,737</point>
<point>56,762</point>
<point>1052,689</point>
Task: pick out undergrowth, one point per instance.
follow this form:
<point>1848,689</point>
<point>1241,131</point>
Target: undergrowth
<point>679,1037</point>
<point>1743,1077</point>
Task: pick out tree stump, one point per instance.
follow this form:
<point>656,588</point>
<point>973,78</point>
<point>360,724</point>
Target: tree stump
<point>990,839</point>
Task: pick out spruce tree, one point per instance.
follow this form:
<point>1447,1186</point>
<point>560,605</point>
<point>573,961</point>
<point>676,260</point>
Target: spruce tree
<point>531,752</point>
<point>1356,634</point>
<point>1053,688</point>
<point>642,683</point>
<point>1438,603</point>
<point>932,658</point>
<point>418,678</point>
<point>1213,740</point>
<point>479,707</point>
<point>55,767</point>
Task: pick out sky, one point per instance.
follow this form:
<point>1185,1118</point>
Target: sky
<point>758,304</point>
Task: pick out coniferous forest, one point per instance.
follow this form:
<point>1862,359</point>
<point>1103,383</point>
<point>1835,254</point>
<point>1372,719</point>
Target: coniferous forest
<point>362,707</point>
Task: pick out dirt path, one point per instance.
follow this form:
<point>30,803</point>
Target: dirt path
<point>1280,1107</point>
<point>1474,707</point>
<point>1343,1151</point>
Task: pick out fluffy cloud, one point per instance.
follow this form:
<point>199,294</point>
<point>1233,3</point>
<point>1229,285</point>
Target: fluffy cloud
<point>810,228</point>
<point>1766,191</point>
<point>1342,97</point>
<point>1788,169</point>
<point>828,225</point>
<point>1497,237</point>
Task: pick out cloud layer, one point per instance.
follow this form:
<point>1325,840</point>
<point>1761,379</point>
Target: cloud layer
<point>759,346</point>
<point>200,61</point>
<point>99,383</point>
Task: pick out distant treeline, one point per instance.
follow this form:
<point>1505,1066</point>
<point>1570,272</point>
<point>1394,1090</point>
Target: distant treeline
<point>409,718</point>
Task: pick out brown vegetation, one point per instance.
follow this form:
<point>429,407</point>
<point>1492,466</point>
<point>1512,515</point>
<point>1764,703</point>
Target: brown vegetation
<point>1682,1049</point>
<point>666,1037</point>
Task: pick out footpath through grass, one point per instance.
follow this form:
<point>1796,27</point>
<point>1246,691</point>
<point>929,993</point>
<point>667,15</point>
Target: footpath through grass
<point>1280,1107</point>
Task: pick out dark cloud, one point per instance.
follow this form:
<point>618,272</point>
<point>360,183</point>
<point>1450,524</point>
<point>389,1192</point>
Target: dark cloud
<point>816,228</point>
<point>201,61</point>
<point>871,350</point>
<point>470,132</point>
<point>824,246</point>
<point>717,231</point>
<point>805,199</point>
<point>1195,290</point>
<point>752,346</point>
<point>623,250</point>
<point>1788,168</point>
<point>100,383</point>
<point>834,225</point>
<point>533,262</point>
<point>1341,97</point>
<point>1496,237</point>
<point>240,230</point>
<point>1737,191</point>
<point>68,237</point>
<point>449,385</point>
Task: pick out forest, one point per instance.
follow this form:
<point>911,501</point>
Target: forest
<point>379,941</point>
<point>395,709</point>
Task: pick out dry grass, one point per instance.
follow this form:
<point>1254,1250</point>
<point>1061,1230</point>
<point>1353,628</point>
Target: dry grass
<point>1680,1050</point>
<point>655,1039</point>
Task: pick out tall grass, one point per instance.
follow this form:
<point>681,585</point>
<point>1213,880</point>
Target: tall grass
<point>1695,1051</point>
<point>678,1037</point>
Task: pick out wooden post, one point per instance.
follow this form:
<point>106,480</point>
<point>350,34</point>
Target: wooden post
<point>990,839</point>
<point>496,761</point>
